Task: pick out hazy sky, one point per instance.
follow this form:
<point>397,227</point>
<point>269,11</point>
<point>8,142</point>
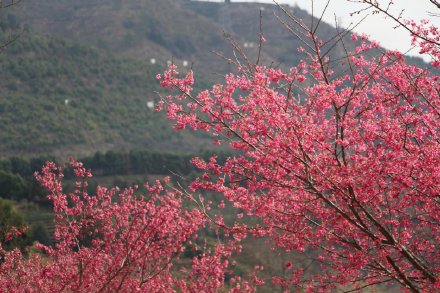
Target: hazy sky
<point>376,26</point>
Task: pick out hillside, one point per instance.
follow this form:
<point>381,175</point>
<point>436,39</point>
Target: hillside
<point>78,78</point>
<point>185,30</point>
<point>135,29</point>
<point>60,97</point>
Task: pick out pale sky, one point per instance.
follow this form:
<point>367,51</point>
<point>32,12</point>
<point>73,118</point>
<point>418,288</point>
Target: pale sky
<point>376,26</point>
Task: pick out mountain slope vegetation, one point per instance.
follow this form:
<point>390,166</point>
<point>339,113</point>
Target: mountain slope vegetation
<point>60,96</point>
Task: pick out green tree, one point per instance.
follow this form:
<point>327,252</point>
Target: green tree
<point>38,232</point>
<point>12,186</point>
<point>11,221</point>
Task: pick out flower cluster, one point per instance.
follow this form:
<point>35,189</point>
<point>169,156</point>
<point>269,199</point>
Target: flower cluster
<point>115,241</point>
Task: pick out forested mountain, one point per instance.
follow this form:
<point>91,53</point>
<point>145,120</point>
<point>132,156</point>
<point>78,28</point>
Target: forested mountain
<point>58,95</point>
<point>80,74</point>
<point>135,29</point>
<point>182,29</point>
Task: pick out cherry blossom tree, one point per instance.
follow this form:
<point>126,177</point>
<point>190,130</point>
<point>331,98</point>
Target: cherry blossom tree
<point>347,171</point>
<point>337,158</point>
<point>117,241</point>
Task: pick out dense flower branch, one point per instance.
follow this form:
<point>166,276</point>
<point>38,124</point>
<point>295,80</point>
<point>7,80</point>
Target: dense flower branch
<point>117,241</point>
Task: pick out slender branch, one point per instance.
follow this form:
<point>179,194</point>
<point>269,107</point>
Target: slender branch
<point>375,5</point>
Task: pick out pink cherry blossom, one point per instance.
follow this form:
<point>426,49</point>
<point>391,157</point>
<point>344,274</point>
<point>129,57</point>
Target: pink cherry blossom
<point>351,171</point>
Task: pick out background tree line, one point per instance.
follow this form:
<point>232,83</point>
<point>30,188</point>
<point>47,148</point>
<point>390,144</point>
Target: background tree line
<point>17,174</point>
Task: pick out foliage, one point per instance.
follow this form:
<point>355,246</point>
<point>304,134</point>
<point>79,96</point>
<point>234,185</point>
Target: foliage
<point>12,186</point>
<point>143,162</point>
<point>38,232</point>
<point>12,227</point>
<point>17,180</point>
